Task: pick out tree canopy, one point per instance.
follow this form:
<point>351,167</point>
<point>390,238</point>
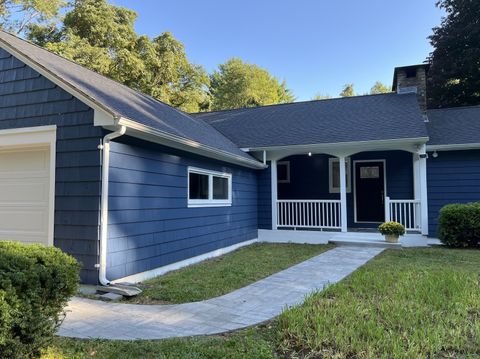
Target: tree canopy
<point>238,84</point>
<point>102,37</point>
<point>17,16</point>
<point>347,91</point>
<point>454,75</point>
<point>379,88</point>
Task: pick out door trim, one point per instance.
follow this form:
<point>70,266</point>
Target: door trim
<point>355,185</point>
<point>19,138</point>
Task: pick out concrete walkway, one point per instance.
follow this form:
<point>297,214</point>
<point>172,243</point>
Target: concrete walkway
<point>244,307</point>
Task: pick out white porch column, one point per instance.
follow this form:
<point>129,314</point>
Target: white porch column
<point>274,186</point>
<point>417,187</point>
<point>343,193</point>
<point>422,165</point>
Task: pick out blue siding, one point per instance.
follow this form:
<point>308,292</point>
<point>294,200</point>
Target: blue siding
<point>149,223</point>
<point>264,204</point>
<point>28,99</point>
<point>309,180</point>
<point>453,177</point>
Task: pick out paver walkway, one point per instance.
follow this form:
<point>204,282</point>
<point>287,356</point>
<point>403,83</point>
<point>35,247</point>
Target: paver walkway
<point>247,306</point>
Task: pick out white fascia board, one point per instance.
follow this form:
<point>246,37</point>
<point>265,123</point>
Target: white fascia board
<point>342,148</point>
<point>138,130</point>
<point>454,147</point>
<point>102,114</point>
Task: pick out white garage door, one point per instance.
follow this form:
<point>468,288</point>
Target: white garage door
<point>24,194</point>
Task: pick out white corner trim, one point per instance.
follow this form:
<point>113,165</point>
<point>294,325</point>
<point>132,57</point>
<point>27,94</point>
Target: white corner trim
<point>34,136</point>
<point>142,276</point>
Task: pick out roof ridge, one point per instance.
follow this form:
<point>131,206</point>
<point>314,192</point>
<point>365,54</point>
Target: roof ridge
<point>93,71</point>
<point>291,103</point>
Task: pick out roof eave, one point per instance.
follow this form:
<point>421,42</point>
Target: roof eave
<point>454,147</point>
<point>139,130</point>
<point>339,144</point>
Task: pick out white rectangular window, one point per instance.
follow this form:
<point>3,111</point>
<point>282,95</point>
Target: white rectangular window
<point>209,188</point>
<point>334,175</point>
<point>283,172</point>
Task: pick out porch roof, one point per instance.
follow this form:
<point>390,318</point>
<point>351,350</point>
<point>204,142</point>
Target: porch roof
<point>341,120</point>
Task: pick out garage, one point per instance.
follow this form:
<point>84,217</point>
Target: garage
<point>26,188</point>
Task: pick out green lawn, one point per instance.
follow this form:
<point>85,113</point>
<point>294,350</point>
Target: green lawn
<point>408,303</point>
<point>224,274</point>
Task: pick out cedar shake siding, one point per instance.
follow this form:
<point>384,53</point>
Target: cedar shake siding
<point>28,99</point>
<point>150,224</point>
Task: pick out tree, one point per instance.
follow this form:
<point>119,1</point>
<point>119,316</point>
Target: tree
<point>17,16</point>
<point>379,88</point>
<point>102,37</point>
<point>454,75</point>
<point>347,91</point>
<point>237,84</point>
<point>321,96</point>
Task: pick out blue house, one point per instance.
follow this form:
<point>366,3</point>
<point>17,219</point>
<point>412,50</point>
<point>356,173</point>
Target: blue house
<point>133,187</point>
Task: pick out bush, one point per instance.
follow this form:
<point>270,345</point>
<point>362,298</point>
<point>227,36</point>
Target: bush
<point>392,228</point>
<point>35,284</point>
<point>459,225</point>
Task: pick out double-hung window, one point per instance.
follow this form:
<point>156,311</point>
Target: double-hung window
<point>334,175</point>
<point>209,188</point>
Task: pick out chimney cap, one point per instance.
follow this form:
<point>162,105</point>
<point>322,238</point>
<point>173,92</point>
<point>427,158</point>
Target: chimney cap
<point>407,68</point>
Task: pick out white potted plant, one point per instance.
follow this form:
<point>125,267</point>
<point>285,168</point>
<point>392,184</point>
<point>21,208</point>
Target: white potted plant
<point>392,231</point>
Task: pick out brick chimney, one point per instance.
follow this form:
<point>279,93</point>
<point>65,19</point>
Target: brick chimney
<point>412,79</point>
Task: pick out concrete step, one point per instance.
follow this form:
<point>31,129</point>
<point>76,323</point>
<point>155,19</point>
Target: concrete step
<point>363,243</point>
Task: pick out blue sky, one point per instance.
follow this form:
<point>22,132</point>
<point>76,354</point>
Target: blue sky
<point>315,45</point>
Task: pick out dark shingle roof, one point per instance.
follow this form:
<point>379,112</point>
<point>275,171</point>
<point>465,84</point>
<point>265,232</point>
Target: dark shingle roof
<point>122,100</point>
<point>360,118</point>
<point>456,125</point>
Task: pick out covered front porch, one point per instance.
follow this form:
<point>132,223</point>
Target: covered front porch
<point>349,188</point>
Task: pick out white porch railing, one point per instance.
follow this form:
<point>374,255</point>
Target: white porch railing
<point>404,211</point>
<point>323,214</point>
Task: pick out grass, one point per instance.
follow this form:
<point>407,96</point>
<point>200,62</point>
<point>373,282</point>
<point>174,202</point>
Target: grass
<point>221,275</point>
<point>408,303</point>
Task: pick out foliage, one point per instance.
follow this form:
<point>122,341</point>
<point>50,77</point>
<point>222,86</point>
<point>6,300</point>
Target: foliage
<point>409,303</point>
<point>237,84</point>
<point>253,343</point>
<point>392,228</point>
<point>35,284</point>
<point>221,275</point>
<point>406,303</point>
<point>348,91</point>
<point>459,225</point>
<point>17,16</point>
<point>454,75</point>
<point>321,96</point>
<point>102,37</point>
<point>379,88</point>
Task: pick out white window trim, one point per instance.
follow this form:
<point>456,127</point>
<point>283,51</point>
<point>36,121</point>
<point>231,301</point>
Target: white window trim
<point>348,172</point>
<point>210,202</point>
<point>287,165</point>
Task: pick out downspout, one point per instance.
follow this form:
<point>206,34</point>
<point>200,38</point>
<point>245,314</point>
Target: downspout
<point>105,147</point>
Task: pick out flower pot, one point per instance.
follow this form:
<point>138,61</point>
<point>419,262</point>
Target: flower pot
<point>391,238</point>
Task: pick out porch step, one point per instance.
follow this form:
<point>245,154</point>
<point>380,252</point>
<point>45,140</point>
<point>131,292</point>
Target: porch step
<point>363,242</point>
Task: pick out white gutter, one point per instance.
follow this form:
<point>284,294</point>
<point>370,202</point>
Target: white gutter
<point>453,147</point>
<point>105,147</point>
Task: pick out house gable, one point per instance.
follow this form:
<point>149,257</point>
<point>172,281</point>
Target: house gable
<point>28,99</point>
